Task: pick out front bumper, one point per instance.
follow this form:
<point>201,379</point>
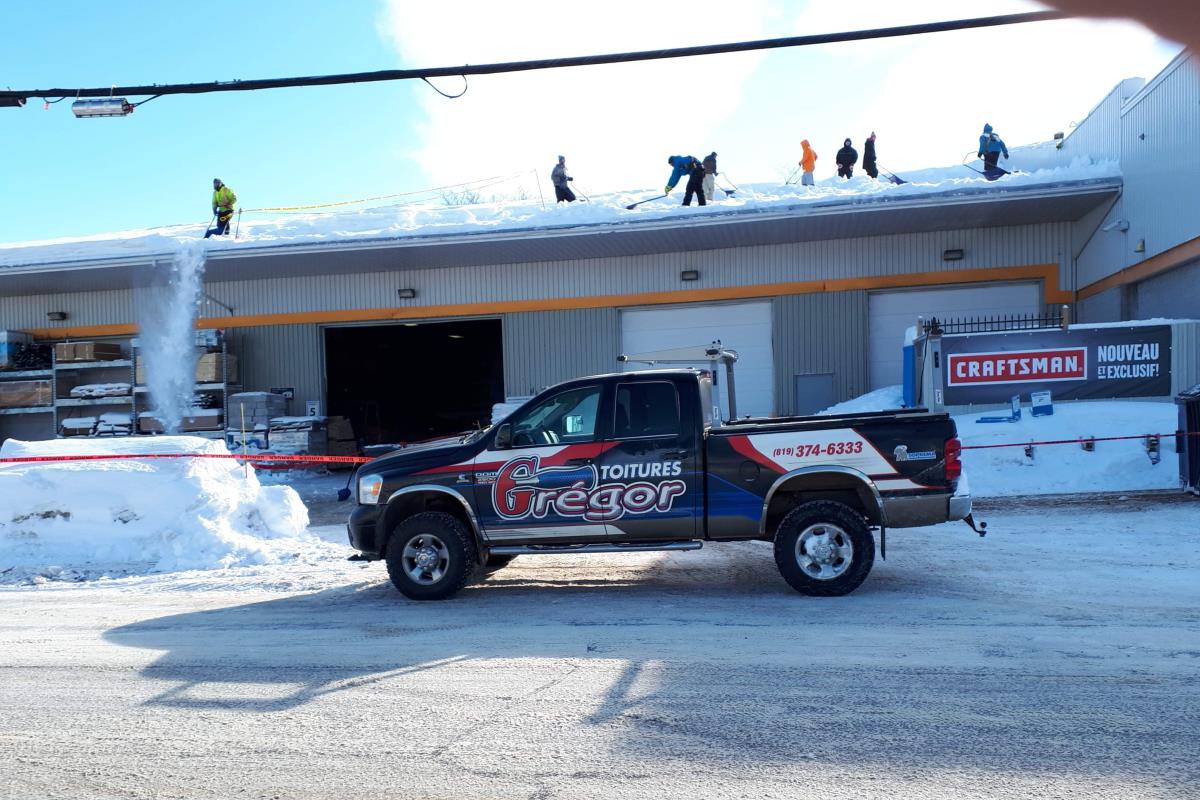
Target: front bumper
<point>362,529</point>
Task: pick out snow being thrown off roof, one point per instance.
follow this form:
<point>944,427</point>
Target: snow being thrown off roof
<point>1040,165</point>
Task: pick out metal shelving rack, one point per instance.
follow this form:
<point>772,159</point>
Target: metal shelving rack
<point>28,375</point>
<point>66,367</point>
<point>223,386</point>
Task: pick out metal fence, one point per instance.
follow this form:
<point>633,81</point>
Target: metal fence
<point>995,324</point>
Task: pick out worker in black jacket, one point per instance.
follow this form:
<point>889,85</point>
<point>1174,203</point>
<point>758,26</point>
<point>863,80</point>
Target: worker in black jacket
<point>869,157</point>
<point>847,157</point>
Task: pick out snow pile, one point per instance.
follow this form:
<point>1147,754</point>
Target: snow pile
<point>1063,468</point>
<point>1033,166</point>
<point>151,515</point>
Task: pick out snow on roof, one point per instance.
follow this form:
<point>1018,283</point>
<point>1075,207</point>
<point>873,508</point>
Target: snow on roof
<point>1034,167</point>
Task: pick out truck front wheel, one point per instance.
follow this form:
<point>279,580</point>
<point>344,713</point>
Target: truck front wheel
<point>824,548</point>
<point>430,556</point>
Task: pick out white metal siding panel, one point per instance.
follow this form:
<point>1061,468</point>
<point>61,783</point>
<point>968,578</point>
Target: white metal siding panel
<point>1162,179</point>
<point>891,313</point>
<point>744,327</point>
<point>820,333</point>
<point>546,347</point>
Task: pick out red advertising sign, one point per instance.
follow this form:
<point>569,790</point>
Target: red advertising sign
<point>1017,366</point>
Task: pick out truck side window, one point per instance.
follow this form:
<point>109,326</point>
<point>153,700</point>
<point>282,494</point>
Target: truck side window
<point>568,416</point>
<point>646,408</point>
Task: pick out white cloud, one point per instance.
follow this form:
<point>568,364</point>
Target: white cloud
<point>926,96</point>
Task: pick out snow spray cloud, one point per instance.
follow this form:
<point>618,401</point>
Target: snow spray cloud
<point>167,341</point>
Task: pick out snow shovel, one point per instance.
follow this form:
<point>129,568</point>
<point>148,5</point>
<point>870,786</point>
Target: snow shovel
<point>728,192</point>
<point>632,206</point>
<point>208,225</point>
<point>582,195</point>
<point>892,177</point>
<point>791,177</point>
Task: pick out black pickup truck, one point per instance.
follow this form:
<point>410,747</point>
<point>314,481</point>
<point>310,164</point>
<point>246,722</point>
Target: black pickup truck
<point>630,462</point>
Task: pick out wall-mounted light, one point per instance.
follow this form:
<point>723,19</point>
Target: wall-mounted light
<point>1140,247</point>
<point>406,294</point>
<point>1121,225</point>
<point>690,275</point>
<point>56,316</point>
<point>953,255</point>
<point>104,107</point>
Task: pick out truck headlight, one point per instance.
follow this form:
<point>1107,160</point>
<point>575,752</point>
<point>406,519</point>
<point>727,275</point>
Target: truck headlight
<point>369,487</point>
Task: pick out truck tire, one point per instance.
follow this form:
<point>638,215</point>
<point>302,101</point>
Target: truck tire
<point>824,549</point>
<point>494,563</point>
<point>430,556</point>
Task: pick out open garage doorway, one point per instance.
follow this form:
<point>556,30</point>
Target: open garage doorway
<point>411,381</point>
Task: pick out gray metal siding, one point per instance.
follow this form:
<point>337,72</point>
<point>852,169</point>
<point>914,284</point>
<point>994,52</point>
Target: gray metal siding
<point>1174,294</point>
<point>1159,131</point>
<point>544,347</point>
<point>820,333</point>
<point>1185,356</point>
<point>809,261</point>
<point>281,355</point>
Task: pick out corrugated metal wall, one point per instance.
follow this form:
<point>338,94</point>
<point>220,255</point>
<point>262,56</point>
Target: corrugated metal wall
<point>1159,131</point>
<point>1185,356</point>
<point>282,355</point>
<point>1154,133</point>
<point>808,261</point>
<point>544,347</point>
<point>820,333</point>
<point>1174,294</point>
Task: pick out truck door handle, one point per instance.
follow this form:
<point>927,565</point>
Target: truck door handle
<point>674,455</point>
<point>578,462</point>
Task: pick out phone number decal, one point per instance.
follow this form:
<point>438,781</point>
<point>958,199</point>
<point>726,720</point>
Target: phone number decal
<point>830,449</point>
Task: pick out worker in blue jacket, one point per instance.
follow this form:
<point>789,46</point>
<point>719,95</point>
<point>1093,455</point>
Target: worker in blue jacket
<point>687,165</point>
<point>990,148</point>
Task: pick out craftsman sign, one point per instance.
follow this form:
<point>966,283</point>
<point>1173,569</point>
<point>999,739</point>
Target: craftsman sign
<point>1075,364</point>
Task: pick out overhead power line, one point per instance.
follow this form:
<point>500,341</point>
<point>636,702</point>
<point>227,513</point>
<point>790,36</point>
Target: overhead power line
<point>17,97</point>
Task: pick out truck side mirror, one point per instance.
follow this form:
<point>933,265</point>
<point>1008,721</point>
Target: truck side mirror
<point>503,437</point>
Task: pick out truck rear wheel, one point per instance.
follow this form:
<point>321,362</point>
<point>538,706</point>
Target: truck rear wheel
<point>430,556</point>
<point>824,548</point>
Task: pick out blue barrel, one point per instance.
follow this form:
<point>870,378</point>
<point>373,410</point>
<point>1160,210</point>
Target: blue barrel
<point>910,379</point>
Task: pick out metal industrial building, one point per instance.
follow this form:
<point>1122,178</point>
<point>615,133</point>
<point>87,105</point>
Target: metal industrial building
<point>814,296</point>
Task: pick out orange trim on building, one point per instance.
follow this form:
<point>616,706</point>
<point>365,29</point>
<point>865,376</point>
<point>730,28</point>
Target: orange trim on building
<point>1047,273</point>
<point>1168,259</point>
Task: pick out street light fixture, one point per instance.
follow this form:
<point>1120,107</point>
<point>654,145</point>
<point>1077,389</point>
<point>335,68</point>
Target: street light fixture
<point>103,107</point>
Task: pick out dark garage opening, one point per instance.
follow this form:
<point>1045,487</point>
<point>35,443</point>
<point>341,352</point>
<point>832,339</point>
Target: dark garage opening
<point>412,381</point>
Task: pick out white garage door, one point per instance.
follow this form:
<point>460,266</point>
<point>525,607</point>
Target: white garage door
<point>744,327</point>
<point>892,312</point>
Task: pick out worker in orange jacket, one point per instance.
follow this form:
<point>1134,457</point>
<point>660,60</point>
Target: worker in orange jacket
<point>808,162</point>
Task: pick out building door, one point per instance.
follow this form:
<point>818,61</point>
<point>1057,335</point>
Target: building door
<point>814,392</point>
<point>891,313</point>
<point>744,327</point>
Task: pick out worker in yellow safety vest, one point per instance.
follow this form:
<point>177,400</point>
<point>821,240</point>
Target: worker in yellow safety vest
<point>223,201</point>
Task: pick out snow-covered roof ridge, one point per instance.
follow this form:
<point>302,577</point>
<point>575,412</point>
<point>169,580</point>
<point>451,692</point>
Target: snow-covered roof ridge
<point>1036,168</point>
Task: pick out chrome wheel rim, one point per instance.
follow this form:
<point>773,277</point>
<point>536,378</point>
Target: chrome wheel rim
<point>426,559</point>
<point>824,552</point>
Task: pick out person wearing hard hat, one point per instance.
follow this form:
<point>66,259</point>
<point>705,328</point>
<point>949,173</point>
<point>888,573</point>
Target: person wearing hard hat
<point>223,201</point>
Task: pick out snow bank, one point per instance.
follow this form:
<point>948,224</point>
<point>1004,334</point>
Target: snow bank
<point>1033,165</point>
<point>150,515</point>
<point>1063,468</point>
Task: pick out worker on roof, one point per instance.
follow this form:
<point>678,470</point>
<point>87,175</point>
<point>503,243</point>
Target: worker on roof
<point>808,162</point>
<point>223,201</point>
<point>990,148</point>
<point>694,169</point>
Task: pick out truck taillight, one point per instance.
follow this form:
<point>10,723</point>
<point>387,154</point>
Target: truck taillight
<point>953,464</point>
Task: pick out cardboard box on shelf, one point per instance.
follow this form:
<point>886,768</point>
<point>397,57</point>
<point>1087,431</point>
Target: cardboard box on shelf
<point>77,426</point>
<point>25,394</point>
<point>210,370</point>
<point>68,352</point>
<point>253,440</point>
<point>200,420</point>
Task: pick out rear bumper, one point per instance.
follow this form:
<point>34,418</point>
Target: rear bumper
<point>913,511</point>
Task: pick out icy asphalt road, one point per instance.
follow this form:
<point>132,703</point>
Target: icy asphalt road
<point>1058,658</point>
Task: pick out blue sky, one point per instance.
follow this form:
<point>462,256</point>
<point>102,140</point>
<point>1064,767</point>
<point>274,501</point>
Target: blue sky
<point>925,97</point>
